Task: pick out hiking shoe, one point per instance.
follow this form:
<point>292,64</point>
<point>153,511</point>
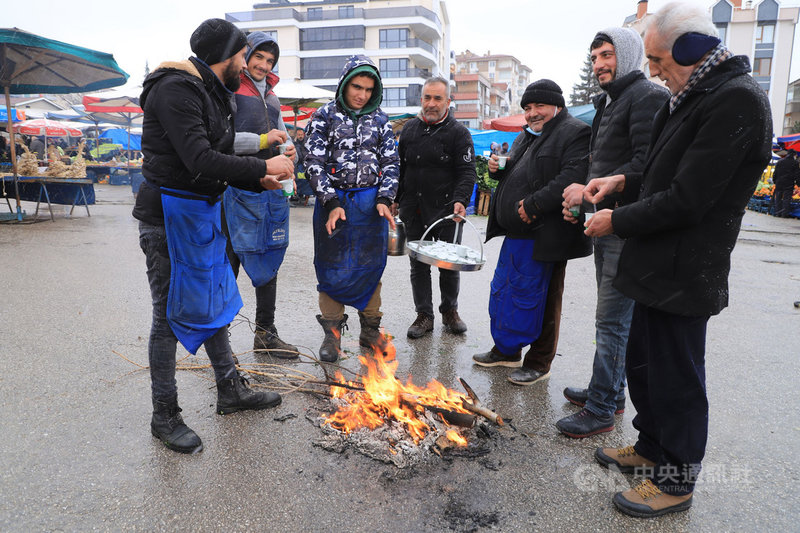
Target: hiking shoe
<point>495,358</point>
<point>578,397</point>
<point>235,395</point>
<point>453,323</point>
<point>267,340</point>
<point>167,425</point>
<point>527,376</point>
<point>584,423</point>
<point>646,501</point>
<point>625,460</point>
<point>422,325</point>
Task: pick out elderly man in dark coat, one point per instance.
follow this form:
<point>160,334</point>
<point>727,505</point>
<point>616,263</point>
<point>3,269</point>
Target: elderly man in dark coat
<point>710,144</point>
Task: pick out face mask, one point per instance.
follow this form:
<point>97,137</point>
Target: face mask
<point>537,133</point>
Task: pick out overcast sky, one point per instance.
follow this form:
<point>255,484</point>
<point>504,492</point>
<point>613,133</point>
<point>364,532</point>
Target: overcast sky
<point>549,36</point>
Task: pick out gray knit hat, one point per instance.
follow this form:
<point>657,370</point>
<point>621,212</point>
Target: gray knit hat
<point>543,92</point>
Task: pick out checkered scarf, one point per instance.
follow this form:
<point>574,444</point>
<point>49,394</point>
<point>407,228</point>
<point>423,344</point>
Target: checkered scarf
<point>718,54</point>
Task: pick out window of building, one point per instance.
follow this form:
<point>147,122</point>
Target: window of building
<point>762,66</point>
<point>394,38</point>
<point>473,67</point>
<point>314,13</point>
<point>394,68</point>
<point>332,38</point>
<point>765,33</point>
<point>394,97</point>
<point>322,67</point>
<point>346,12</point>
<point>492,64</point>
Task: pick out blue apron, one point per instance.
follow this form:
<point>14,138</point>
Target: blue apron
<point>258,226</point>
<point>203,296</point>
<point>518,296</point>
<point>350,263</point>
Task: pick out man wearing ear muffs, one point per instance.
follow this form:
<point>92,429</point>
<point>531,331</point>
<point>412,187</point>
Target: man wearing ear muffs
<point>710,143</point>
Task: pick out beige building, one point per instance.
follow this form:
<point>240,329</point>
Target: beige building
<point>497,68</point>
<point>407,39</point>
<point>476,99</point>
<point>764,32</point>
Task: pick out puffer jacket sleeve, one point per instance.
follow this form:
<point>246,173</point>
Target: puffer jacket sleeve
<point>644,107</point>
<point>317,135</point>
<point>389,161</point>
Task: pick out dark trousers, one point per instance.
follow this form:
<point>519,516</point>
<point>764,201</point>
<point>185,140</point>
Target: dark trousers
<point>543,349</point>
<point>783,202</point>
<point>163,343</point>
<point>421,288</point>
<point>667,385</point>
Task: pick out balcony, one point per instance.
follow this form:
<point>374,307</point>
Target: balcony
<point>264,12</point>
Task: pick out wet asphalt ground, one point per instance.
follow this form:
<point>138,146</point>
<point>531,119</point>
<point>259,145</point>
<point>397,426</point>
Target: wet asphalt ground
<point>76,452</point>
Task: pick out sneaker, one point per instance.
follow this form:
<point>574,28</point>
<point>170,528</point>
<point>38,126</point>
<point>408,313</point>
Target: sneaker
<point>584,423</point>
<point>422,325</point>
<point>625,460</point>
<point>453,323</point>
<point>527,376</point>
<point>495,358</point>
<point>647,501</point>
<point>579,396</point>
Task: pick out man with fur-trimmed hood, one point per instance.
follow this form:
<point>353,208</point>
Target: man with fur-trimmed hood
<point>620,136</point>
<point>353,166</point>
<point>187,142</point>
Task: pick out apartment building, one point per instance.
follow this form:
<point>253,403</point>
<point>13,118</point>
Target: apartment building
<point>407,39</point>
<point>761,30</point>
<point>476,100</point>
<point>497,68</point>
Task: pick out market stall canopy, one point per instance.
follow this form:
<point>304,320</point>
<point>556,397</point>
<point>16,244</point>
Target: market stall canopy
<point>790,142</point>
<point>297,94</point>
<point>47,128</point>
<point>32,64</point>
<point>16,116</point>
<point>121,137</point>
<point>517,122</point>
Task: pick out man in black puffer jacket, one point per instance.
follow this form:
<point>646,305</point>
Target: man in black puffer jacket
<point>525,302</point>
<point>187,141</point>
<point>437,175</point>
<point>620,137</point>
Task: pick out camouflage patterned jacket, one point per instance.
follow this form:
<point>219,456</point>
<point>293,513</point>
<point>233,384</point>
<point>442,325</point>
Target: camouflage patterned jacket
<point>348,150</point>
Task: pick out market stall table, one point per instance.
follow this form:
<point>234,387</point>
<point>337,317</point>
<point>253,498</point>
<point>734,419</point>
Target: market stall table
<point>62,191</point>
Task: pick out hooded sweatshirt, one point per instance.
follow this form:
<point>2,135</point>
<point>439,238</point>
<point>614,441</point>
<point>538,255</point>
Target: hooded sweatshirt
<point>625,112</point>
<point>350,148</point>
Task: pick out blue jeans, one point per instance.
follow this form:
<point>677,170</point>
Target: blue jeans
<point>163,344</point>
<point>612,323</point>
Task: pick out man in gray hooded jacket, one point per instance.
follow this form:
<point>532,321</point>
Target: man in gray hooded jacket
<point>620,137</point>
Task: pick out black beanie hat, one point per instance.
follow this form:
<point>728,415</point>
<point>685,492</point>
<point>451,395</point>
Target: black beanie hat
<point>543,92</point>
<point>216,40</point>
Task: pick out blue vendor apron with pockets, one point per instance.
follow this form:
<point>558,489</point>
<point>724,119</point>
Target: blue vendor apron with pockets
<point>203,296</point>
<point>518,296</point>
<point>350,263</point>
<point>258,226</point>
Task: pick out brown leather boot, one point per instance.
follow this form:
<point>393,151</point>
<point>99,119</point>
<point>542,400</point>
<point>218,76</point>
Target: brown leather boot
<point>626,460</point>
<point>453,323</point>
<point>422,325</point>
<point>646,501</point>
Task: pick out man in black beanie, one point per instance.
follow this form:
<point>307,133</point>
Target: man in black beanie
<point>525,303</point>
<point>187,142</point>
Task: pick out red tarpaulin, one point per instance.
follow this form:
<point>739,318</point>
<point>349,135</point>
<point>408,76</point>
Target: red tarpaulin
<point>512,123</point>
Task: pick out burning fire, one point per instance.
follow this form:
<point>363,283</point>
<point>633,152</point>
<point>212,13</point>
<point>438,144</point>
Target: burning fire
<point>385,398</point>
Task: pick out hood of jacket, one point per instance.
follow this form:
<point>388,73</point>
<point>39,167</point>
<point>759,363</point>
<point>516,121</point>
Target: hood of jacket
<point>628,47</point>
<point>265,41</point>
<point>359,65</point>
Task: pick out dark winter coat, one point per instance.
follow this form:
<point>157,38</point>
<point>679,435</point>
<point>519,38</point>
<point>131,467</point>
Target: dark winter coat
<point>437,169</point>
<point>187,138</point>
<point>787,173</point>
<point>559,158</point>
<point>704,162</point>
<point>621,128</point>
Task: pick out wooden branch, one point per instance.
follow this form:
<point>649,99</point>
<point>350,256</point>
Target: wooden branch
<point>483,411</point>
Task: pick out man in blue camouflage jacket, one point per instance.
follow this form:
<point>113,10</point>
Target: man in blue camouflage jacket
<point>353,166</point>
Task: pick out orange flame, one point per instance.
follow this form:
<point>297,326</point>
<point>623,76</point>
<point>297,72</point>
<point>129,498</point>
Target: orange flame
<point>456,437</point>
<point>385,398</point>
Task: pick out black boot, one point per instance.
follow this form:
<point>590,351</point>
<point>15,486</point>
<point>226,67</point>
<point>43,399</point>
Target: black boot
<point>167,425</point>
<point>235,395</point>
<point>267,340</point>
<point>371,335</point>
<point>332,343</point>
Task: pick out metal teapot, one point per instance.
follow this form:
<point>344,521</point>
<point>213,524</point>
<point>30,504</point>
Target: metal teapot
<point>397,238</point>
